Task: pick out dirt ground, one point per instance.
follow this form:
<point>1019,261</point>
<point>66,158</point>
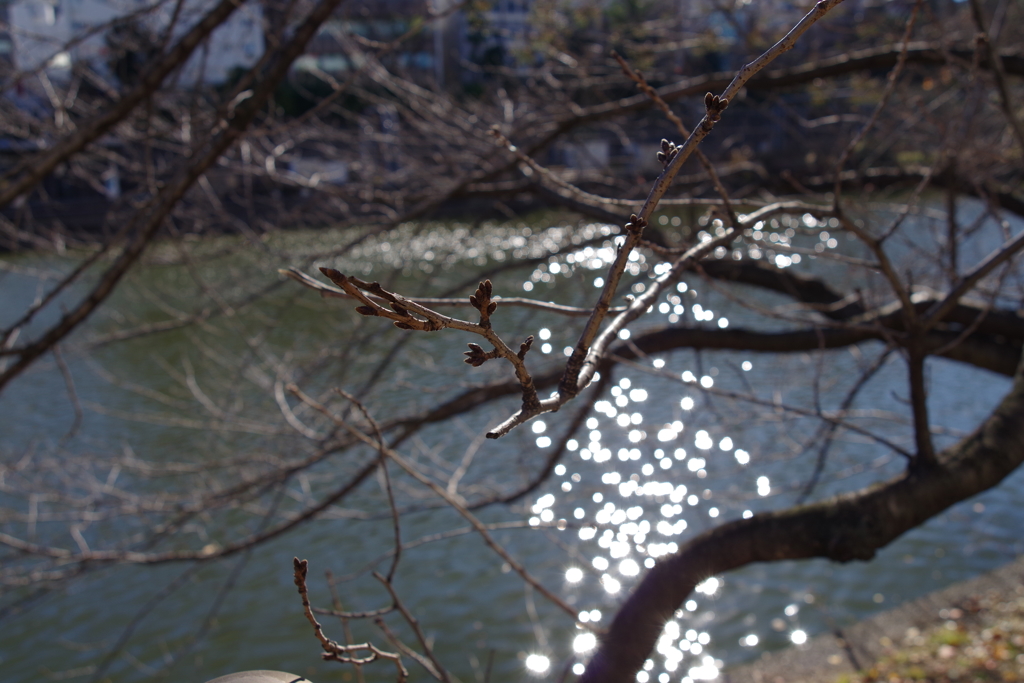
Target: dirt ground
<point>971,631</point>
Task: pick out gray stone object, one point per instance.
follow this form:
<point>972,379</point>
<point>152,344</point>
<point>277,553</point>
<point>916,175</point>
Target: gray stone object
<point>261,676</point>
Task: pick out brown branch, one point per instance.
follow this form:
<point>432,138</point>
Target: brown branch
<point>925,456</point>
<point>580,366</point>
<point>885,177</point>
<point>335,651</point>
<point>1000,255</point>
<point>406,650</point>
<point>395,519</point>
<point>667,148</point>
<point>981,352</point>
<point>834,418</point>
<point>438,670</point>
<point>401,312</point>
<point>869,59</point>
<point>69,383</point>
<point>481,528</point>
<point>328,291</point>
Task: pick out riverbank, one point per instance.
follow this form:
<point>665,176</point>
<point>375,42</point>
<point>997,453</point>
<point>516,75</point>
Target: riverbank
<point>970,631</point>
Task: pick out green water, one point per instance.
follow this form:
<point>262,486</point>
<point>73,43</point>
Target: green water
<point>203,395</point>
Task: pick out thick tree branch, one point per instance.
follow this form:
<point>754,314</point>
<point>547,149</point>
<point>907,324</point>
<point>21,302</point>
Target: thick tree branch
<point>982,352</point>
<point>852,526</point>
<point>891,176</point>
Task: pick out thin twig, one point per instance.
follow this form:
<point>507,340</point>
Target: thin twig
<point>451,500</point>
<point>414,624</point>
<point>395,518</point>
<point>334,651</point>
<point>69,383</point>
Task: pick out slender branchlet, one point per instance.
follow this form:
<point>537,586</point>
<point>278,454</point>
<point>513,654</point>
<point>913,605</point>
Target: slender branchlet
<point>358,654</point>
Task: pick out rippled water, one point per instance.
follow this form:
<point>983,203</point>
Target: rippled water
<point>663,455</point>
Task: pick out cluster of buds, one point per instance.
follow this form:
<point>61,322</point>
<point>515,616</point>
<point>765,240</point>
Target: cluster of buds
<point>524,347</point>
<point>668,152</point>
<point>714,106</point>
<point>636,224</point>
<point>399,314</point>
<point>481,301</point>
<point>476,356</point>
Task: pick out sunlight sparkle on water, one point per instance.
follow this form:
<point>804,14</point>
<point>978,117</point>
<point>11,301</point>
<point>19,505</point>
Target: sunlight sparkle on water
<point>707,671</point>
<point>545,501</point>
<point>538,664</point>
<point>798,637</point>
<point>622,519</point>
<point>584,642</point>
<point>611,584</point>
<point>629,568</point>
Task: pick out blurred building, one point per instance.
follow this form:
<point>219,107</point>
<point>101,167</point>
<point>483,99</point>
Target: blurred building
<point>6,44</point>
<point>493,36</point>
<point>434,51</point>
<point>56,34</point>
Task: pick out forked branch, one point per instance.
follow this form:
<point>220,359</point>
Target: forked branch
<point>590,347</point>
<point>356,654</point>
